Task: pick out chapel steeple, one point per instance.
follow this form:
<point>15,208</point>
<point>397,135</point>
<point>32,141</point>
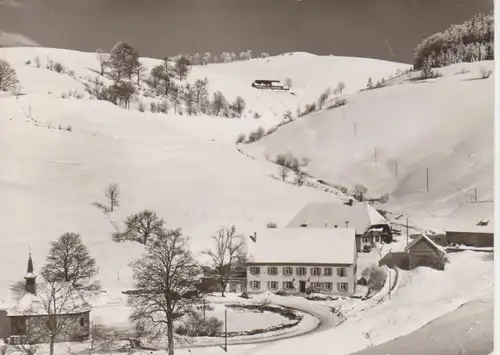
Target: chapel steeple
<point>30,285</point>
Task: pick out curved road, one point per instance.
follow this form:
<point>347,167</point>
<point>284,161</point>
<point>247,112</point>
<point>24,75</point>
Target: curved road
<point>467,330</point>
<point>323,320</point>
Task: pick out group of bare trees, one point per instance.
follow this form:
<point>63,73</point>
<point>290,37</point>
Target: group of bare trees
<point>167,275</point>
<point>288,162</point>
<point>224,57</point>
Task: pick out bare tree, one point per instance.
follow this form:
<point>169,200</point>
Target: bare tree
<point>113,195</point>
<point>140,73</point>
<point>283,170</point>
<point>359,192</point>
<point>340,87</point>
<point>239,105</point>
<point>69,261</point>
<point>141,227</point>
<point>182,67</point>
<point>299,178</point>
<point>103,59</point>
<point>8,77</point>
<point>163,277</point>
<point>225,255</point>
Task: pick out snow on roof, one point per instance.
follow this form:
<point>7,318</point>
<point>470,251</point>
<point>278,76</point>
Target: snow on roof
<point>67,302</point>
<point>426,238</point>
<point>359,216</point>
<point>303,245</point>
<point>468,218</point>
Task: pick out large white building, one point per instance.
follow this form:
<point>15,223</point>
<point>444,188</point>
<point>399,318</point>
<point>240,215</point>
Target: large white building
<point>303,259</point>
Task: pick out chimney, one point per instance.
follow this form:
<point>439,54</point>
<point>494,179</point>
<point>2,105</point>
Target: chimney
<point>347,224</point>
<point>30,285</point>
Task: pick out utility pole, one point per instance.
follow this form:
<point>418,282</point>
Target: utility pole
<point>355,130</point>
<point>407,233</point>
<point>225,329</point>
<point>427,178</point>
<point>204,308</point>
<point>396,169</point>
<point>343,115</point>
<point>390,282</point>
<point>375,154</point>
<point>475,194</point>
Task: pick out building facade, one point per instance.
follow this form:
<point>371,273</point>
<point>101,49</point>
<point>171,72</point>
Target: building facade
<point>300,278</point>
<point>300,261</point>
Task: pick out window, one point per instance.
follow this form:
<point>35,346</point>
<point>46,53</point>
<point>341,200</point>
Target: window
<point>255,285</point>
<point>287,271</point>
<point>377,238</point>
<point>272,271</point>
<point>301,271</point>
<point>255,270</point>
<point>288,285</point>
<point>328,286</point>
<point>327,271</point>
<point>315,271</point>
<point>341,271</point>
<point>316,285</point>
<point>342,286</point>
<point>82,322</point>
<point>272,285</point>
<point>365,240</point>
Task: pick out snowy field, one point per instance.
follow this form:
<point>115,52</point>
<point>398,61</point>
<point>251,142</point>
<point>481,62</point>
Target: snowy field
<point>188,170</point>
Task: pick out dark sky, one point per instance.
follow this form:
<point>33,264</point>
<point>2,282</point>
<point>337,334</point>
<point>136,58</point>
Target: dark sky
<point>363,28</point>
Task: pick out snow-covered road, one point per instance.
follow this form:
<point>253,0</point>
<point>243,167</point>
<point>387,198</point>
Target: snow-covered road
<point>317,318</point>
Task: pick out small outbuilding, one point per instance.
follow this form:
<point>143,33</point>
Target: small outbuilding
<point>422,251</point>
<point>472,224</point>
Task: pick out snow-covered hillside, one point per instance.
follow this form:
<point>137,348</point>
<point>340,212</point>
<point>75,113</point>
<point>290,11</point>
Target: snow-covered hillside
<point>58,153</point>
<point>386,138</point>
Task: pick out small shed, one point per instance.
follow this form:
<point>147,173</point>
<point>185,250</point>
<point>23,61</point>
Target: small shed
<point>422,251</point>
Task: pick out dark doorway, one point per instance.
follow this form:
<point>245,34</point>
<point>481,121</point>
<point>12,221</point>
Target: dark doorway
<point>302,286</point>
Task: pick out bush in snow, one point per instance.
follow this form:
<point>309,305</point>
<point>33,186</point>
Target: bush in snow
<point>256,135</point>
<point>337,103</point>
<point>241,138</point>
<point>485,73</point>
<point>271,130</point>
<point>69,129</point>
<point>196,325</point>
<point>375,277</point>
<point>58,67</point>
